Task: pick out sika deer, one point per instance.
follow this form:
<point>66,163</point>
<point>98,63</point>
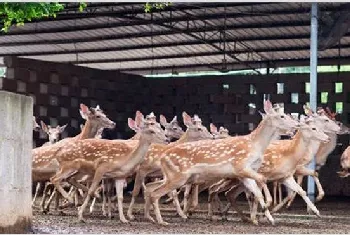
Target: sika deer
<point>281,159</point>
<point>52,132</point>
<point>195,131</point>
<point>44,163</point>
<point>200,161</point>
<point>109,159</point>
<point>172,129</point>
<point>331,128</point>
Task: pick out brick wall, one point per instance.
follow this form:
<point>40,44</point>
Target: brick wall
<point>58,89</point>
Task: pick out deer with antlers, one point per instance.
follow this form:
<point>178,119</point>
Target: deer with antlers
<point>151,164</point>
<point>321,118</point>
<point>45,164</point>
<point>203,160</point>
<point>281,160</point>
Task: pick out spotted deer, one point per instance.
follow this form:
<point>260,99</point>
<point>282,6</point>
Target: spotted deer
<point>107,159</point>
<point>172,129</point>
<point>200,161</point>
<point>281,159</point>
<point>325,121</point>
<point>44,163</point>
<point>151,163</point>
<point>222,133</point>
<point>54,134</point>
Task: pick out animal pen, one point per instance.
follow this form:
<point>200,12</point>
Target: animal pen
<point>219,61</point>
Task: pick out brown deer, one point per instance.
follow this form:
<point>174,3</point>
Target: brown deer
<point>281,159</point>
<point>172,129</point>
<point>325,121</point>
<point>105,159</point>
<point>44,163</point>
<point>200,161</point>
<point>151,163</point>
<point>54,134</point>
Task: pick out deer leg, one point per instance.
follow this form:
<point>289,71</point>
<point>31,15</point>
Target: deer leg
<point>119,184</point>
<point>231,196</point>
<point>76,184</point>
<point>92,205</point>
<point>104,197</point>
<point>43,200</point>
<point>251,185</point>
<point>299,181</point>
<point>47,207</point>
<point>95,183</point>
<point>150,187</point>
<point>38,186</point>
<point>139,178</point>
<point>267,195</point>
<point>290,183</point>
<point>279,192</point>
<point>275,187</point>
<point>56,180</point>
<point>186,197</point>
<point>177,204</point>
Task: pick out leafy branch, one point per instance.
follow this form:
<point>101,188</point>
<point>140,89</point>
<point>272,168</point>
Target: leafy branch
<point>157,5</point>
<point>16,13</point>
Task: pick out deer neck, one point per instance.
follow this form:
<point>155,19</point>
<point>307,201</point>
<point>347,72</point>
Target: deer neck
<point>135,137</point>
<point>137,155</point>
<point>183,139</point>
<point>263,135</point>
<point>300,144</point>
<point>89,131</point>
<point>325,149</point>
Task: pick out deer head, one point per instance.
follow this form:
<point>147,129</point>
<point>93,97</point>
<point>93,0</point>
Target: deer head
<point>52,132</point>
<point>343,129</point>
<point>36,126</point>
<point>195,129</point>
<point>96,117</point>
<point>276,117</point>
<point>151,132</point>
<point>322,120</point>
<point>310,131</point>
<point>222,133</point>
<point>172,129</point>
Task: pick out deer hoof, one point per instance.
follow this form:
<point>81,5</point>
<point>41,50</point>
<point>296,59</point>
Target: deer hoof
<point>255,221</point>
<point>124,221</point>
<point>131,217</point>
<point>163,223</point>
<point>319,197</point>
<point>148,217</point>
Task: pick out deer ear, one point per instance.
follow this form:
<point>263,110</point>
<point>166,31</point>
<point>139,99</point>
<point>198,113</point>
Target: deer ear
<point>62,128</point>
<point>307,110</point>
<point>139,118</point>
<point>213,128</point>
<point>174,119</point>
<point>132,124</point>
<point>84,108</point>
<point>43,126</point>
<point>187,119</point>
<point>163,120</point>
<point>263,115</point>
<point>268,106</point>
<point>81,127</point>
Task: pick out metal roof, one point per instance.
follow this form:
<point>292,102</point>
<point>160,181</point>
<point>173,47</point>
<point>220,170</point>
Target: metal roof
<point>182,37</point>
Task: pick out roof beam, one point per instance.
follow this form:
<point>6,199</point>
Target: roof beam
<point>155,46</point>
<point>235,65</point>
<point>194,54</point>
<point>232,15</point>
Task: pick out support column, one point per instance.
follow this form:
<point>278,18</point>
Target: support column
<point>313,85</point>
<point>16,123</point>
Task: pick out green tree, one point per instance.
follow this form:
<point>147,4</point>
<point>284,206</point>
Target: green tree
<point>17,13</point>
<point>156,5</point>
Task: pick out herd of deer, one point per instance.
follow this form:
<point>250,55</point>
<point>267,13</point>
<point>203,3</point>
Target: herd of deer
<point>198,160</point>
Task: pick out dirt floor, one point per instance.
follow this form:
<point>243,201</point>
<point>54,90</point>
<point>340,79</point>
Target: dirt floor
<point>335,218</point>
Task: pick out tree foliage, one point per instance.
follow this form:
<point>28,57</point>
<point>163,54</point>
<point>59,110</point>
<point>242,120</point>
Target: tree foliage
<point>17,13</point>
<point>156,5</point>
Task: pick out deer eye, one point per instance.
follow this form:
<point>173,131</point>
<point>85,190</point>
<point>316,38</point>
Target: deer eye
<point>199,129</point>
<point>326,120</point>
<point>282,116</point>
<point>314,129</point>
<point>98,116</point>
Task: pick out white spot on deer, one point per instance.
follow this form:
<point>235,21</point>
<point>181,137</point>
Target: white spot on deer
<point>241,151</point>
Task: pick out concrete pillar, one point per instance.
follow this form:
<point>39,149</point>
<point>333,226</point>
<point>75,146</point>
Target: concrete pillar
<point>16,123</point>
